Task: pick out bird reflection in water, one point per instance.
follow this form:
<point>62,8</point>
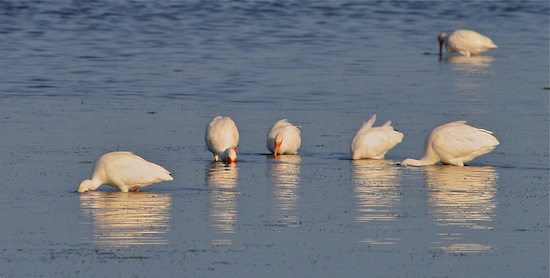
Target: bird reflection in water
<point>122,219</point>
<point>377,193</point>
<point>285,175</point>
<point>462,197</point>
<point>222,180</point>
<point>472,70</point>
<point>469,63</point>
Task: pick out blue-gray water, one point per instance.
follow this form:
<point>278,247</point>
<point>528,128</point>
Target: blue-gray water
<point>81,78</point>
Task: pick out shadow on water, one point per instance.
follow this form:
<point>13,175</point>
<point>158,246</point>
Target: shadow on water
<point>122,219</point>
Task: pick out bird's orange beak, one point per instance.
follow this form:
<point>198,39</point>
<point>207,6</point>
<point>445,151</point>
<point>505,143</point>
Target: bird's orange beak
<point>276,149</point>
<point>231,160</point>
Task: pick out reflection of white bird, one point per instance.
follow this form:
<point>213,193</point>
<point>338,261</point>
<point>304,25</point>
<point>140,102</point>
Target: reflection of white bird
<point>222,138</point>
<point>285,174</point>
<point>127,219</point>
<point>470,62</point>
<point>283,138</point>
<point>374,142</point>
<point>465,42</point>
<point>376,189</point>
<point>455,143</point>
<point>125,171</point>
<point>222,180</point>
<point>462,196</point>
<point>222,176</point>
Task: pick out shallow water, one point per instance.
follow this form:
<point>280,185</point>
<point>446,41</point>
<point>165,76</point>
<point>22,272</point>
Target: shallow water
<point>80,79</point>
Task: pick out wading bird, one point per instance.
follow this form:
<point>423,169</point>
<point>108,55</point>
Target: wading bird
<point>374,142</point>
<point>283,138</point>
<point>125,171</point>
<point>455,143</point>
<point>465,42</point>
<point>222,138</point>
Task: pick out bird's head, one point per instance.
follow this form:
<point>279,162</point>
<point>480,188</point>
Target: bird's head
<point>231,155</point>
<point>86,185</point>
<point>441,38</point>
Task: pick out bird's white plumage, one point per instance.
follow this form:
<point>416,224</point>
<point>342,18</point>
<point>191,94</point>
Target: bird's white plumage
<point>283,137</point>
<point>374,142</point>
<point>222,138</point>
<point>125,171</point>
<point>455,143</point>
<point>466,42</point>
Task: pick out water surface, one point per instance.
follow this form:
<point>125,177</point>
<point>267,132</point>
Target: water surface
<point>79,79</point>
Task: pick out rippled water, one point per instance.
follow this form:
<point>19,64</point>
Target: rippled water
<point>80,78</point>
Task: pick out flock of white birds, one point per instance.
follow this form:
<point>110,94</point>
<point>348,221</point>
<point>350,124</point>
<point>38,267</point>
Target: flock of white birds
<point>453,143</point>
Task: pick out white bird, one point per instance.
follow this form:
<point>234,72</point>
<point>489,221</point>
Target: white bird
<point>283,138</point>
<point>465,42</point>
<point>374,142</point>
<point>222,138</point>
<point>125,171</point>
<point>455,143</point>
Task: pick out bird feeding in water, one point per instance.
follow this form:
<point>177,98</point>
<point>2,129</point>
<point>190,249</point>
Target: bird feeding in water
<point>455,143</point>
<point>465,42</point>
<point>283,138</point>
<point>125,171</point>
<point>222,137</point>
<point>374,142</point>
